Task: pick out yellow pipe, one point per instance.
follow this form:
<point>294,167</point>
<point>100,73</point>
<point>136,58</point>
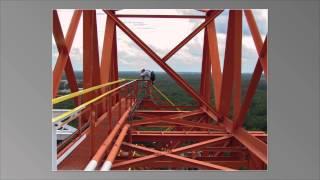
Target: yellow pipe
<point>84,91</point>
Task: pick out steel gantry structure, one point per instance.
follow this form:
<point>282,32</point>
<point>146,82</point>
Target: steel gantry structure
<point>121,126</point>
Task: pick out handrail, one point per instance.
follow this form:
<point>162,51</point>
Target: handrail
<point>82,106</point>
<point>84,91</point>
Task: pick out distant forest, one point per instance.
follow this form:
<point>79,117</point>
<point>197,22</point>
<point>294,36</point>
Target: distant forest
<point>256,118</point>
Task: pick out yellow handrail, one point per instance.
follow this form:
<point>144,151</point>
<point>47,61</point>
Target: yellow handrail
<point>82,106</point>
<point>84,91</point>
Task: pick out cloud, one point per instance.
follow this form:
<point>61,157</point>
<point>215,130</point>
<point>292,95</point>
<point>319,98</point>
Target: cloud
<point>161,35</point>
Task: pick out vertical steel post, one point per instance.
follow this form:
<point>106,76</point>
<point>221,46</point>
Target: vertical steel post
<point>232,52</point>
<point>92,130</point>
<point>213,55</point>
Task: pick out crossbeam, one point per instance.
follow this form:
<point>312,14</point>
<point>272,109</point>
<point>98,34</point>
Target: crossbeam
<point>174,151</point>
<point>193,162</point>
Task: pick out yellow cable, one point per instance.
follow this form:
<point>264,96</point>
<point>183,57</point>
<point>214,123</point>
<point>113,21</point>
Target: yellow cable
<point>165,97</point>
<point>84,91</point>
<point>82,106</point>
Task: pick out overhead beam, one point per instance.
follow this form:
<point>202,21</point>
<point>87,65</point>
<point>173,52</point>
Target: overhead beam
<point>159,16</point>
<point>182,83</point>
<point>192,34</point>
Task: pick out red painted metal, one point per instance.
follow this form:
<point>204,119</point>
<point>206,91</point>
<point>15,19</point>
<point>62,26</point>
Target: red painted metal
<point>160,62</point>
<point>64,46</point>
<point>205,90</point>
<point>251,89</point>
<point>194,137</point>
<point>191,35</point>
<point>159,16</point>
<point>108,46</point>
<point>213,55</point>
<point>256,37</point>
<point>172,154</point>
<point>232,54</point>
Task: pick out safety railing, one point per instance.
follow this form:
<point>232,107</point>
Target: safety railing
<point>97,104</point>
<point>93,111</point>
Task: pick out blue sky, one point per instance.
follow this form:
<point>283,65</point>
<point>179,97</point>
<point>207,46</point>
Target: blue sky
<point>162,35</point>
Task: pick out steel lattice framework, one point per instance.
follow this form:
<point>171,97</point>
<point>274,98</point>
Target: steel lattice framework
<point>113,114</point>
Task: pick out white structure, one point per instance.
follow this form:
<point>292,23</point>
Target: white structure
<point>66,130</point>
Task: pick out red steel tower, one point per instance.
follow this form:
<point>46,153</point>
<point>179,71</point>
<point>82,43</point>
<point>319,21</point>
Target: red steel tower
<point>114,116</point>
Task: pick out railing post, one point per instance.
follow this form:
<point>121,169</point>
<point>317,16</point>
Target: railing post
<point>92,128</point>
<point>109,119</point>
<point>136,90</point>
<point>119,105</point>
<point>54,148</point>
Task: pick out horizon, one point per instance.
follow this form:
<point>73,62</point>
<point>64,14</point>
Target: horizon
<point>163,72</point>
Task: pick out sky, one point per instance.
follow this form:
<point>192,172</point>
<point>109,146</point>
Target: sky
<point>162,35</point>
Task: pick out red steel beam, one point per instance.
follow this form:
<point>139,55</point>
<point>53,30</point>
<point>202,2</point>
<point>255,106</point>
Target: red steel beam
<point>256,38</point>
<point>95,51</point>
<point>236,95</point>
<point>91,68</point>
<point>179,122</point>
<point>254,145</point>
<point>115,62</point>
<point>205,90</point>
<point>232,53</point>
<point>253,85</point>
<point>192,162</point>
<point>175,134</point>
<point>95,60</point>
<point>188,155</point>
<point>192,34</point>
<point>163,65</point>
<point>159,16</point>
<point>224,145</point>
<point>186,132</point>
<point>107,50</point>
<point>175,114</point>
<point>87,52</point>
<point>178,165</point>
<point>175,151</point>
<point>213,55</point>
<point>64,46</point>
